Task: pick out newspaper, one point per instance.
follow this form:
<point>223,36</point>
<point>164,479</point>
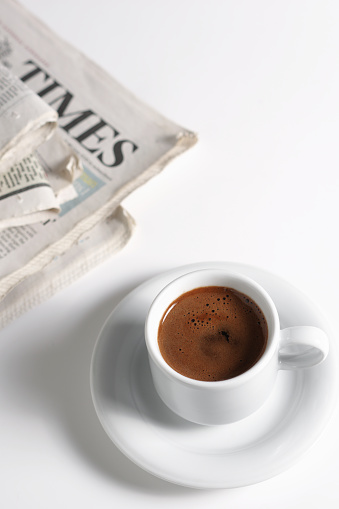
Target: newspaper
<point>27,193</point>
<point>26,120</point>
<point>108,237</point>
<point>62,166</point>
<point>33,189</point>
<point>120,141</point>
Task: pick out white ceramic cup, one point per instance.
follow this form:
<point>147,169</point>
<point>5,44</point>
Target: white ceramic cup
<point>226,401</point>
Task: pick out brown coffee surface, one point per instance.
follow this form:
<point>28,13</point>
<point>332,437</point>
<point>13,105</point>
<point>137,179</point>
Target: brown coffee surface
<point>212,333</point>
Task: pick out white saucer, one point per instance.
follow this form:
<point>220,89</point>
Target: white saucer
<point>243,453</point>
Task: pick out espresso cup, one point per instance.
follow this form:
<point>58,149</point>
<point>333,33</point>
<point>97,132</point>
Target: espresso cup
<point>227,401</point>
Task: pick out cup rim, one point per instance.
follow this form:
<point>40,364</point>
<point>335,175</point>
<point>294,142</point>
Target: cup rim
<point>215,384</point>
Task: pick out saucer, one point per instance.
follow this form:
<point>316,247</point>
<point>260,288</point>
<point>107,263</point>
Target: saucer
<point>228,456</point>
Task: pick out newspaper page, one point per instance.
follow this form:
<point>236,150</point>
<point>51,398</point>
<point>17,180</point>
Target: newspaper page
<point>33,189</point>
<point>26,120</point>
<point>27,123</point>
<point>26,195</point>
<point>120,141</point>
<point>105,239</point>
<point>62,166</point>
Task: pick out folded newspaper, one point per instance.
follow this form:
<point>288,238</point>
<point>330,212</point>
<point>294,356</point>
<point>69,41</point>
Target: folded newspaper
<point>107,143</point>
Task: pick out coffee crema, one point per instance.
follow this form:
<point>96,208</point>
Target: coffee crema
<point>212,333</point>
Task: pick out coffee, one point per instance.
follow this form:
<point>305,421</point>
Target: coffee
<point>212,333</point>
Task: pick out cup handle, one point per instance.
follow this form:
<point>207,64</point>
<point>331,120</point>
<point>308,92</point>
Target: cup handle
<point>302,347</point>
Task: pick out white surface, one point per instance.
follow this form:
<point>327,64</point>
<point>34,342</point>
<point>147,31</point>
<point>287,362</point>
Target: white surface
<point>238,454</point>
<point>259,82</point>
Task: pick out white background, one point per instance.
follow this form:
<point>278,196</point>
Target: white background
<point>259,82</point>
